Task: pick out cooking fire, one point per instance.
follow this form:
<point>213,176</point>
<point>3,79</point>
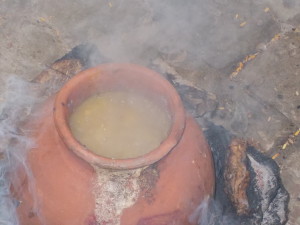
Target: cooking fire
<point>149,112</point>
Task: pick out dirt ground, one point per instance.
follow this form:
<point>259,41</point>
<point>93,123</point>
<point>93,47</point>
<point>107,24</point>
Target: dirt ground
<point>244,53</point>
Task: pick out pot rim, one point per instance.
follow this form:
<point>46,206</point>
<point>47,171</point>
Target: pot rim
<point>62,127</point>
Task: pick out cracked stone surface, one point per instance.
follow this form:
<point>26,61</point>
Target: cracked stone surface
<point>202,42</point>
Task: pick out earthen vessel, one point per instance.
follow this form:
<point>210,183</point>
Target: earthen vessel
<point>172,180</point>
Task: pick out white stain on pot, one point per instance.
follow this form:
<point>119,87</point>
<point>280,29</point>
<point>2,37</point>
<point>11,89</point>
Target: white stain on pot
<point>114,191</point>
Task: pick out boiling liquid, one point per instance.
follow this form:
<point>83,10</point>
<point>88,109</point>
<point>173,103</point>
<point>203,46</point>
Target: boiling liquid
<point>120,125</point>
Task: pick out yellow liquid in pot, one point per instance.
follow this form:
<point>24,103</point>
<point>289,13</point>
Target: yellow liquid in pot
<point>120,124</point>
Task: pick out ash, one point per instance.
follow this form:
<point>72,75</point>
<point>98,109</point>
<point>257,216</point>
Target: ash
<point>266,195</point>
<point>114,191</point>
<point>266,192</point>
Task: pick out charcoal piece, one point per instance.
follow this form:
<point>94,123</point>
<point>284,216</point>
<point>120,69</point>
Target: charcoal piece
<point>236,176</point>
<point>56,75</point>
<point>60,71</point>
<point>88,54</point>
<point>195,100</point>
<point>79,58</point>
<point>219,140</point>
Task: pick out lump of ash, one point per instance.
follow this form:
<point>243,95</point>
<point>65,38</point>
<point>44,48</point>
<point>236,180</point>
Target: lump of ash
<point>258,198</point>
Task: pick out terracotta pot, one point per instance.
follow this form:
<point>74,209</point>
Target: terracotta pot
<point>72,185</point>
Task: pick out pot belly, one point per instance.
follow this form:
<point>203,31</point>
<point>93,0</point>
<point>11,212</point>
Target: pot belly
<point>62,188</point>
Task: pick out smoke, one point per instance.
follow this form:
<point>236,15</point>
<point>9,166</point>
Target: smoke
<point>267,197</point>
<point>142,30</point>
<point>211,212</point>
<point>7,207</point>
<point>17,102</point>
<point>136,31</point>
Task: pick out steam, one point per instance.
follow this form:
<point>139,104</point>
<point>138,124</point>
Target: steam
<point>17,102</point>
<point>140,31</point>
<point>123,30</point>
<point>7,207</point>
<point>150,28</point>
<point>210,212</point>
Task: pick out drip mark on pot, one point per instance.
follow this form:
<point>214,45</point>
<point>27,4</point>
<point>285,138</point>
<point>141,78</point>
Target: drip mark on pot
<point>114,191</point>
<point>31,214</point>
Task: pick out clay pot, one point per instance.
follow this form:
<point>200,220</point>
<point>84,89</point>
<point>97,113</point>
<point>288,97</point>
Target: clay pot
<point>71,185</point>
